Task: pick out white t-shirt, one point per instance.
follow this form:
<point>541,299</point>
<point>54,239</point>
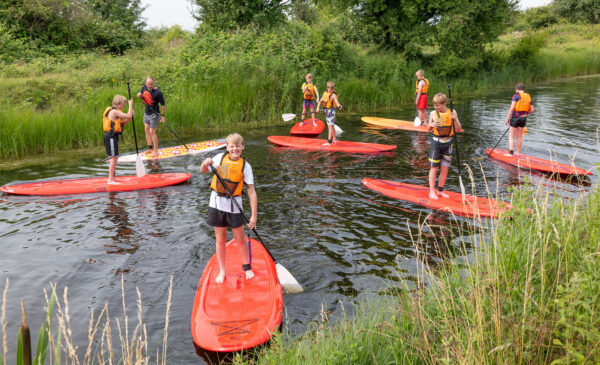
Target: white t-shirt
<point>224,203</point>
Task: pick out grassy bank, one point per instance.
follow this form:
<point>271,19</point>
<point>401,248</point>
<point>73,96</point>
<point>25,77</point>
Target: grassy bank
<point>529,295</point>
<point>217,82</point>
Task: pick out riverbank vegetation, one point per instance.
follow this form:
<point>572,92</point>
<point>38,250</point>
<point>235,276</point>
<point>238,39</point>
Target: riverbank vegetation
<point>527,292</point>
<point>246,73</point>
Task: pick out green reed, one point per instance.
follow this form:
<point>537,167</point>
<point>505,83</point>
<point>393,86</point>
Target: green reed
<point>528,294</point>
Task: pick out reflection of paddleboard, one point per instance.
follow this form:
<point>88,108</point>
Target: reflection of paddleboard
<point>307,128</point>
<point>396,124</point>
<point>339,146</point>
<point>96,184</point>
<point>167,152</point>
<point>535,163</point>
<point>237,314</point>
<point>473,206</point>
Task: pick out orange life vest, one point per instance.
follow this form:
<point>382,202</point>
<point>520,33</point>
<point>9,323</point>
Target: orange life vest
<point>309,91</point>
<point>232,173</point>
<point>328,102</point>
<point>424,89</point>
<point>524,103</point>
<point>110,125</point>
<point>447,128</point>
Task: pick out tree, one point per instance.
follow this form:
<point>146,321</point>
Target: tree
<point>587,11</point>
<point>231,14</point>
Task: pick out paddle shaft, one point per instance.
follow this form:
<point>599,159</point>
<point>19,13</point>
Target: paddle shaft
<point>176,136</point>
<point>454,128</point>
<point>133,122</point>
<point>496,145</point>
<point>241,211</point>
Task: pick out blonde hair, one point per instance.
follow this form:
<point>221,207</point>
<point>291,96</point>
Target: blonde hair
<point>119,100</point>
<point>307,75</point>
<point>236,139</point>
<point>420,73</point>
<point>330,84</point>
<point>439,99</point>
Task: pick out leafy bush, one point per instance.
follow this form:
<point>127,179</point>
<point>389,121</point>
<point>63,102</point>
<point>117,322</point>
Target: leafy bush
<point>527,47</point>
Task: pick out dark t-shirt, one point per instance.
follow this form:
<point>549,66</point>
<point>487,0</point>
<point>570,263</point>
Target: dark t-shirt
<point>152,99</point>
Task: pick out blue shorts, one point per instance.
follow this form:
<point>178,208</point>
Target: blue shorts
<point>330,116</point>
<point>308,103</point>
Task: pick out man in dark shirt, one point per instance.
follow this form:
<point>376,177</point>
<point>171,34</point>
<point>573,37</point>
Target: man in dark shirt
<point>152,97</point>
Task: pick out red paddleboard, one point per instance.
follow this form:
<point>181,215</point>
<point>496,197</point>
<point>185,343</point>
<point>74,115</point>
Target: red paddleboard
<point>238,314</point>
<point>307,128</point>
<point>397,124</point>
<point>95,184</point>
<point>339,146</point>
<point>473,206</point>
<point>535,163</point>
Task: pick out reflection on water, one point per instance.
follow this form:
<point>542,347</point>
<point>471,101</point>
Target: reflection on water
<point>338,238</point>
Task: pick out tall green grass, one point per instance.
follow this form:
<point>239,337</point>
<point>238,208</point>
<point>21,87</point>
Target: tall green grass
<point>530,294</point>
<point>218,82</point>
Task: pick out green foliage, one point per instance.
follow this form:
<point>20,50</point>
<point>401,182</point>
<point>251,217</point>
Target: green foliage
<point>584,11</point>
<point>232,14</point>
<point>536,18</point>
<point>528,47</point>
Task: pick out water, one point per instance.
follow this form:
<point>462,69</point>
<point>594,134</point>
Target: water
<point>339,239</point>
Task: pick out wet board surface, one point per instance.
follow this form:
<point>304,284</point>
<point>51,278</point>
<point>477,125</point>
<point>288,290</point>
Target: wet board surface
<point>473,206</point>
<point>237,314</point>
<point>176,151</point>
<point>397,124</point>
<point>307,128</point>
<point>535,163</point>
<point>96,184</point>
<point>339,146</point>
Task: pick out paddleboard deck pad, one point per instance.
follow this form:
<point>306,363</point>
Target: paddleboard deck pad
<point>307,128</point>
<point>473,206</point>
<point>96,184</point>
<point>535,163</point>
<point>237,314</point>
<point>168,152</point>
<point>339,146</point>
<point>397,124</point>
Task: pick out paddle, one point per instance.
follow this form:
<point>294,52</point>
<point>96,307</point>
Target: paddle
<point>176,136</point>
<point>140,170</point>
<point>462,187</point>
<point>290,116</point>
<point>496,145</point>
<point>286,279</point>
<point>417,121</point>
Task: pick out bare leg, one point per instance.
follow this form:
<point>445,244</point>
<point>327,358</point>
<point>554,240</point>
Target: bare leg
<point>240,239</point>
<point>303,114</point>
<point>221,239</point>
<point>519,134</point>
<point>112,168</point>
<point>423,116</point>
<point>148,137</point>
<point>312,112</point>
<point>432,175</point>
<point>511,138</point>
<point>332,133</point>
<point>154,141</point>
<point>442,180</point>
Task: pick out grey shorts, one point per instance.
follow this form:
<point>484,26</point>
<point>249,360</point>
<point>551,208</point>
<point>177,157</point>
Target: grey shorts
<point>440,153</point>
<point>152,119</point>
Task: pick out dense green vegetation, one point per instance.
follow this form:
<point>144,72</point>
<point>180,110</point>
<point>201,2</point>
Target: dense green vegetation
<point>529,295</point>
<point>215,80</point>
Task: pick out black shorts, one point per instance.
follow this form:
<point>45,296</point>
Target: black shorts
<point>219,218</point>
<point>440,153</point>
<point>111,143</point>
<point>518,122</point>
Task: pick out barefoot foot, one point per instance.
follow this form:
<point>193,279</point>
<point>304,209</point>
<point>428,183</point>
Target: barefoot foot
<point>432,195</point>
<point>113,182</point>
<point>249,274</point>
<point>220,278</point>
<point>444,195</point>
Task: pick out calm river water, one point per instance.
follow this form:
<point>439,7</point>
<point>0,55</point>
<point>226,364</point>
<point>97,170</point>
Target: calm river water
<point>339,239</point>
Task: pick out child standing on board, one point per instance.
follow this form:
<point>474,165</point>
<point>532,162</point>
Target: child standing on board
<point>310,95</point>
<point>113,121</point>
<point>422,86</point>
<point>330,105</point>
<point>235,171</point>
<point>443,129</point>
<point>520,107</point>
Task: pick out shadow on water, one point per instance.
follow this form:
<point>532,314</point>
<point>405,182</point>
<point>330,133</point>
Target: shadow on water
<point>339,239</point>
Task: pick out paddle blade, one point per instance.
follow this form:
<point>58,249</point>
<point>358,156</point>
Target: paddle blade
<point>417,122</point>
<point>525,130</point>
<point>287,280</point>
<point>338,130</point>
<point>462,190</point>
<point>140,170</point>
<point>288,117</point>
